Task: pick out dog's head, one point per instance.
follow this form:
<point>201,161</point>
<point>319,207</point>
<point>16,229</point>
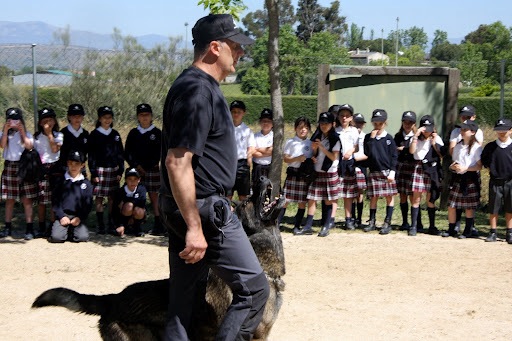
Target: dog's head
<point>260,212</point>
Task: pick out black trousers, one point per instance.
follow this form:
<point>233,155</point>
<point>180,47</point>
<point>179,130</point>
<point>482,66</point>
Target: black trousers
<point>229,255</point>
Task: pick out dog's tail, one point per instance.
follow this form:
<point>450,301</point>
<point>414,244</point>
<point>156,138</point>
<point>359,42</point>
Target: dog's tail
<point>72,300</point>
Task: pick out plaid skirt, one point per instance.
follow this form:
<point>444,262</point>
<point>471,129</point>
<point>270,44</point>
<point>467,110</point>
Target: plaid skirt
<point>464,195</point>
<point>361,179</point>
<point>404,173</point>
<point>348,187</point>
<point>295,189</point>
<point>420,181</point>
<point>325,187</point>
<point>151,180</point>
<point>378,185</point>
<point>45,190</point>
<point>11,184</point>
<point>108,182</point>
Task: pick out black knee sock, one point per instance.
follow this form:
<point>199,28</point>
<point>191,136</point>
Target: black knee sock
<point>414,216</point>
<point>389,214</point>
<point>99,218</point>
<point>431,216</point>
<point>360,206</point>
<point>373,213</point>
<point>324,207</point>
<point>309,222</point>
<point>42,226</point>
<point>299,216</point>
<point>458,215</point>
<point>30,228</point>
<point>328,213</point>
<point>281,215</point>
<point>353,210</point>
<point>469,225</point>
<point>419,223</point>
<point>404,208</point>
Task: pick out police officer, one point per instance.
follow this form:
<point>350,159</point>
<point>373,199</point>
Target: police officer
<point>198,167</point>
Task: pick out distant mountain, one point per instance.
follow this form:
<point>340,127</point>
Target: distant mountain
<point>42,33</point>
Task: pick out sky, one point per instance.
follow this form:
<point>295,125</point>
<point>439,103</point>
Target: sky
<point>176,17</point>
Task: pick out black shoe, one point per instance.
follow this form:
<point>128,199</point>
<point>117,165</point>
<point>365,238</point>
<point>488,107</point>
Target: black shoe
<point>420,229</point>
<point>508,236</point>
<point>412,231</point>
<point>304,232</point>
<point>324,232</point>
<point>357,223</point>
<point>386,228</point>
<point>29,236</point>
<point>4,233</point>
<point>474,232</point>
<point>157,232</point>
<point>295,230</point>
<point>449,233</point>
<point>405,227</point>
<point>101,230</point>
<point>492,237</point>
<point>371,226</point>
<point>349,224</point>
<point>434,231</point>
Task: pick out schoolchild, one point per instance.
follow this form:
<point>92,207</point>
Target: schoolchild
<point>360,158</point>
<point>47,142</point>
<point>297,151</point>
<point>380,148</point>
<point>326,149</point>
<point>142,152</point>
<point>14,139</point>
<point>348,135</point>
<point>245,145</point>
<point>75,136</point>
<point>264,141</point>
<point>106,163</point>
<point>465,184</point>
<point>405,166</point>
<point>497,156</point>
<point>426,149</point>
<point>129,205</point>
<point>71,202</point>
<point>466,112</point>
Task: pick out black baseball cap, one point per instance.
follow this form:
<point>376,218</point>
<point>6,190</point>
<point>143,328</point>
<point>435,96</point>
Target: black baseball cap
<point>469,125</point>
<point>326,117</point>
<point>379,115</point>
<point>409,116</point>
<point>266,113</point>
<point>144,107</point>
<point>46,112</point>
<point>359,118</point>
<point>503,124</point>
<point>131,172</point>
<point>427,121</point>
<point>346,106</point>
<point>76,109</point>
<point>76,155</point>
<point>467,110</point>
<point>105,110</point>
<point>237,104</point>
<point>217,27</point>
<point>13,114</point>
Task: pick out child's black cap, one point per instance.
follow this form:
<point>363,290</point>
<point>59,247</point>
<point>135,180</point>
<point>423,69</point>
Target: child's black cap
<point>237,104</point>
<point>105,110</point>
<point>46,112</point>
<point>13,114</point>
<point>503,124</point>
<point>266,113</point>
<point>144,107</point>
<point>379,115</point>
<point>131,172</point>
<point>76,109</point>
<point>76,155</point>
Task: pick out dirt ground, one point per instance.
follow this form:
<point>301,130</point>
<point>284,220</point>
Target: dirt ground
<point>348,286</point>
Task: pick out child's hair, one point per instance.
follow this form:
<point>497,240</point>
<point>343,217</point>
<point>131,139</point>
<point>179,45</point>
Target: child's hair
<point>40,129</point>
<point>302,119</point>
<point>472,141</point>
<point>413,129</point>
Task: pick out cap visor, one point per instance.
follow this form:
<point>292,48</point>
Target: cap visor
<point>241,39</point>
<point>429,129</point>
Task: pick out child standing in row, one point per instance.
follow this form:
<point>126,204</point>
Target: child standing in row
<point>380,148</point>
<point>264,141</point>
<point>75,137</point>
<point>465,183</point>
<point>326,149</point>
<point>348,136</point>
<point>497,156</point>
<point>106,163</point>
<point>14,139</point>
<point>142,152</point>
<point>296,151</point>
<point>360,158</point>
<point>47,142</point>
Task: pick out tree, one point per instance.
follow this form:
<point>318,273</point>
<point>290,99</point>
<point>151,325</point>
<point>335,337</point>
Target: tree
<point>415,36</point>
<point>309,15</point>
<point>355,37</point>
<point>334,23</point>
<point>233,7</point>
<point>440,37</point>
<point>445,52</point>
<point>472,65</point>
<point>256,23</point>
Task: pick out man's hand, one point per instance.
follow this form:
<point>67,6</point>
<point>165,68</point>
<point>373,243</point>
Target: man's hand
<point>195,246</point>
<point>64,221</point>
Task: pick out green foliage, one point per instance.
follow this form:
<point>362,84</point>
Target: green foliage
<point>415,36</point>
<point>233,7</point>
<point>485,90</point>
<point>472,65</point>
<point>256,81</point>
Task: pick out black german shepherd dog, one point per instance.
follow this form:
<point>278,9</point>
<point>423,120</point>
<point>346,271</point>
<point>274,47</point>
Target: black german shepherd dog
<point>139,311</point>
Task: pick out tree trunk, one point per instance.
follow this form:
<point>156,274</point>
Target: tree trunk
<point>275,95</point>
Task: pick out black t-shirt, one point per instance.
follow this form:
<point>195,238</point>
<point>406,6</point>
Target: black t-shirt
<point>196,117</point>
